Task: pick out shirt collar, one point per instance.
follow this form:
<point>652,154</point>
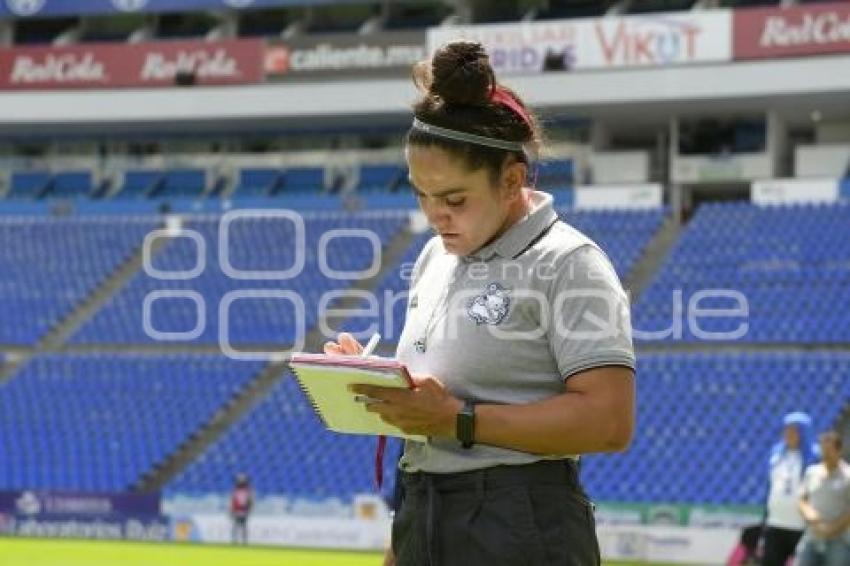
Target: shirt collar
<point>523,233</point>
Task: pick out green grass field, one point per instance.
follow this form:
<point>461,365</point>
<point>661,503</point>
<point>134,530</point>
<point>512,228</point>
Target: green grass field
<point>37,552</point>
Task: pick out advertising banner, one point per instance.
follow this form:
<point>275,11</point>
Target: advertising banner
<point>312,532</point>
<point>132,516</point>
<point>702,516</point>
<point>651,543</point>
<point>154,529</point>
<point>596,44</point>
<point>51,8</point>
<point>115,65</point>
<point>386,54</point>
<point>76,504</point>
<point>794,31</point>
<point>519,48</point>
<point>656,544</point>
<point>677,38</point>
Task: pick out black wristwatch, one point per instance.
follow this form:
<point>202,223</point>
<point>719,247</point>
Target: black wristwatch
<point>465,425</point>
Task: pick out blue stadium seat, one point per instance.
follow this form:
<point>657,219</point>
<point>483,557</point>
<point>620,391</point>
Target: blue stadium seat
<point>379,177</point>
<point>71,184</point>
<point>181,183</point>
<point>29,184</point>
<point>140,183</point>
<point>258,181</point>
<point>554,174</point>
<point>303,179</point>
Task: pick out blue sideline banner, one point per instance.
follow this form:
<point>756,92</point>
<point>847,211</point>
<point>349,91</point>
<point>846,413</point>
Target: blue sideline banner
<point>152,529</point>
<point>57,505</point>
<point>52,8</point>
<point>119,516</point>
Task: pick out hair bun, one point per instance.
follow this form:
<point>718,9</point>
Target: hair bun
<point>461,74</point>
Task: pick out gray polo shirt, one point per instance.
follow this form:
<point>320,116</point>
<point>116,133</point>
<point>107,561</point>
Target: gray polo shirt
<point>510,323</point>
<point>828,493</point>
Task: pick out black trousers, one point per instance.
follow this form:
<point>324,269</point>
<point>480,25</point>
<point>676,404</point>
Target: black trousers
<point>530,515</point>
<point>779,545</point>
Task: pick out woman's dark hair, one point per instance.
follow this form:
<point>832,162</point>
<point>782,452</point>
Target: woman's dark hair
<point>457,86</point>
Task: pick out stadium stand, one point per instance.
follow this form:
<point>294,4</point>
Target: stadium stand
<point>29,184</point>
<point>251,181</point>
<point>181,183</point>
<point>71,184</point>
<point>303,180</point>
<point>392,297</point>
<point>622,234</point>
<point>375,178</point>
<point>257,181</point>
<point>140,183</point>
<point>554,174</point>
<point>74,256</point>
<point>706,423</point>
<point>416,16</point>
<point>288,451</point>
<point>99,422</point>
<point>786,261</point>
<point>255,244</point>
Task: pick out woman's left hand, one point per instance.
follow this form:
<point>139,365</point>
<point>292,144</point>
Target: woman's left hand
<point>428,409</point>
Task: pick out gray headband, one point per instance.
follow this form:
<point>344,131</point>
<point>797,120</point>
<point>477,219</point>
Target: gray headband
<point>470,138</point>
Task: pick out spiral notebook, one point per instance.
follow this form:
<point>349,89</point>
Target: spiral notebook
<point>325,380</point>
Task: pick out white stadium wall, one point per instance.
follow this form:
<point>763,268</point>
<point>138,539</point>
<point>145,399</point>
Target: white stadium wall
<point>829,160</point>
<point>785,191</point>
<point>620,167</point>
<point>721,168</point>
<point>624,196</point>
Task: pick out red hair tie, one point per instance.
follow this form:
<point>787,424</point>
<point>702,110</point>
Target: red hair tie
<point>505,98</point>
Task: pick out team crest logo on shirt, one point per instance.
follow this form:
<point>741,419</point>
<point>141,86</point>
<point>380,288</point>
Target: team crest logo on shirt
<point>491,307</point>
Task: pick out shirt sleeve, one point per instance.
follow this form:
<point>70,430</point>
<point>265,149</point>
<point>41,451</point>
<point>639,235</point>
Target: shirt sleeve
<point>589,323</point>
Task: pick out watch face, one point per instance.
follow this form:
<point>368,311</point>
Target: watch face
<point>465,425</point>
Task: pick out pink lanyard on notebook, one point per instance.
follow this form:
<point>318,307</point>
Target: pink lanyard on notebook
<point>382,440</point>
<point>379,461</point>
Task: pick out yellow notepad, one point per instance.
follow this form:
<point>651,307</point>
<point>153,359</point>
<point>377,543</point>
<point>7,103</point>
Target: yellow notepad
<point>325,380</point>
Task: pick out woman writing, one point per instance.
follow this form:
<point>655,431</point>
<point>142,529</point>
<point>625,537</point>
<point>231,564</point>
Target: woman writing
<point>517,334</point>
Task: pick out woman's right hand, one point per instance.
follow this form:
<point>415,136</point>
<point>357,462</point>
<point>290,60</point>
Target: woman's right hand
<point>389,557</point>
<point>345,345</point>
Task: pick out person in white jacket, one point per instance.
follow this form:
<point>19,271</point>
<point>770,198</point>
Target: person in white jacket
<point>788,461</point>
